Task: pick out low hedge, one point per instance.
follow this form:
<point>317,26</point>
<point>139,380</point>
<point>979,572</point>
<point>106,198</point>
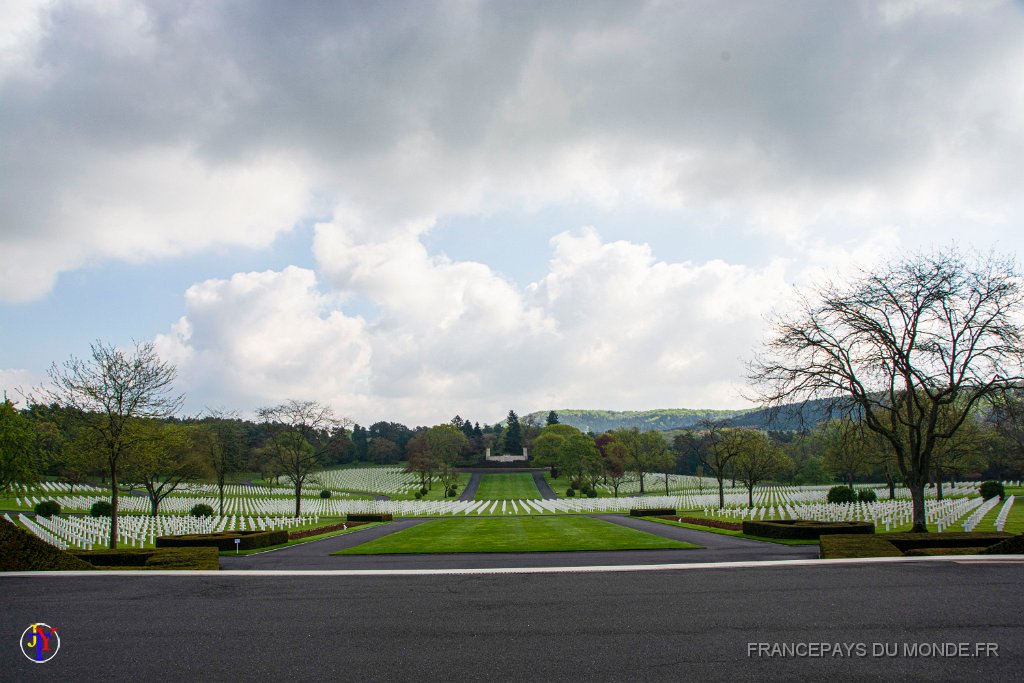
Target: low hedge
<point>369,517</point>
<point>152,558</point>
<point>897,545</point>
<point>802,528</point>
<point>651,512</point>
<point>225,540</point>
<point>306,533</point>
<point>930,552</point>
<point>1011,546</point>
<point>21,551</point>
<point>703,521</point>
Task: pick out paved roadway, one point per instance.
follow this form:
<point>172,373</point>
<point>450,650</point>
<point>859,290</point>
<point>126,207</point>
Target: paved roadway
<point>671,625</point>
<point>716,548</point>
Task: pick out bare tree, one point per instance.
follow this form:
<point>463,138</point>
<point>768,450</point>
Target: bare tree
<point>717,450</point>
<point>111,390</point>
<point>295,427</point>
<point>923,335</point>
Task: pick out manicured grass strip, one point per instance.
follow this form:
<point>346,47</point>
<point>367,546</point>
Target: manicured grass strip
<point>517,486</point>
<point>729,532</point>
<point>514,535</point>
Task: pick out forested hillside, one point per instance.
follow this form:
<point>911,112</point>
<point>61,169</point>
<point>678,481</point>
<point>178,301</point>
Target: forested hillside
<point>599,421</point>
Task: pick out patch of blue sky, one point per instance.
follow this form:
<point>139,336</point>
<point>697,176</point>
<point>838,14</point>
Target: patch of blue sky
<point>516,243</point>
<point>118,302</point>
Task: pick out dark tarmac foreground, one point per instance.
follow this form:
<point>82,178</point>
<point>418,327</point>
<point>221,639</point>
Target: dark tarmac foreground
<point>702,623</point>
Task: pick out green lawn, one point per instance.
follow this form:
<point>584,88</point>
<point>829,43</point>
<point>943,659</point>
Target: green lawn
<point>513,535</point>
<point>515,486</point>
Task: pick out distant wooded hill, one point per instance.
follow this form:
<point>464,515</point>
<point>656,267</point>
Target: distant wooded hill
<point>794,417</point>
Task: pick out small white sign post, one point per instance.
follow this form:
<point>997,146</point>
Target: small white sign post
<point>237,541</point>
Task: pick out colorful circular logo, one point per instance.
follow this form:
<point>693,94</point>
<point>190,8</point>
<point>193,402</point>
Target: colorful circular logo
<point>40,643</point>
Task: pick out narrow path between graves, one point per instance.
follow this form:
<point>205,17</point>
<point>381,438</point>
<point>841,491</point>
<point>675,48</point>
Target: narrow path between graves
<point>724,548</point>
<point>542,485</point>
<point>469,493</point>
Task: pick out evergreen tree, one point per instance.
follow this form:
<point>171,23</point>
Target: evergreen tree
<point>359,438</point>
<point>513,434</point>
<point>552,418</point>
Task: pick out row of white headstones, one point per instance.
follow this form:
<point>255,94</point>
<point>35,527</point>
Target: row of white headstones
<point>86,533</point>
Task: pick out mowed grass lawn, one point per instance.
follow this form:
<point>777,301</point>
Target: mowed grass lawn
<point>514,535</point>
<point>514,486</point>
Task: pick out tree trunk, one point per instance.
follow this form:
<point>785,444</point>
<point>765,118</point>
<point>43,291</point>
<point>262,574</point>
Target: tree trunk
<point>113,506</point>
<point>917,498</point>
<point>298,499</point>
<point>938,483</point>
<point>892,486</point>
<point>721,492</point>
<point>154,504</point>
<point>221,483</point>
<point>641,482</point>
<point>750,496</point>
<point>666,483</point>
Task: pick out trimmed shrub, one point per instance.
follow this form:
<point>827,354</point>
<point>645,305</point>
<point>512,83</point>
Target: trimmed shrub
<point>867,496</point>
<point>423,491</point>
<point>201,510</point>
<point>591,493</point>
<point>991,489</point>
<point>152,558</point>
<point>47,508</point>
<point>570,493</point>
<point>896,545</point>
<point>418,495</point>
<point>101,508</point>
<point>968,550</point>
<point>369,517</point>
<point>325,494</point>
<point>703,521</point>
<point>1011,546</point>
<point>651,512</point>
<point>803,529</point>
<point>842,494</point>
<point>452,492</point>
<point>225,540</point>
<point>21,551</point>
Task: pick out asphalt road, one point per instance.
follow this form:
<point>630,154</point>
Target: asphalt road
<point>716,548</point>
<point>673,625</point>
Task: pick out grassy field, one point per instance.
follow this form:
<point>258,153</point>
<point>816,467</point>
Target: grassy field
<point>515,486</point>
<point>513,535</point>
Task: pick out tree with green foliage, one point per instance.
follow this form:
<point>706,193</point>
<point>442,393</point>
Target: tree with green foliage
<point>512,436</point>
<point>420,460</point>
<point>16,440</point>
<point>758,461</point>
<point>446,443</point>
<point>361,441</point>
<point>644,451</point>
<point>219,443</point>
<point>615,457</point>
<point>847,450</point>
<point>899,346</point>
<point>552,419</point>
<point>160,458</point>
<point>111,390</point>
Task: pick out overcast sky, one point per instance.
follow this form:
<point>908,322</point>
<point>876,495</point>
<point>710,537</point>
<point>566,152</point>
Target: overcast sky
<point>410,210</point>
